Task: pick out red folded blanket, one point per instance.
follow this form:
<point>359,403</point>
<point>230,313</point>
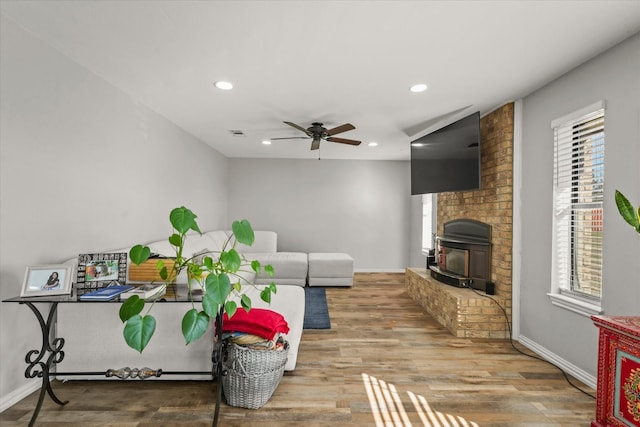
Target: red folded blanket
<point>258,321</point>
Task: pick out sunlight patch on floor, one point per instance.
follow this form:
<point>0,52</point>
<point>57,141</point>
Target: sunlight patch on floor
<point>388,410</point>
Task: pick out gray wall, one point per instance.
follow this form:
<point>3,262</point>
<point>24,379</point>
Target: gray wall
<point>83,168</point>
<point>615,77</point>
<point>359,207</point>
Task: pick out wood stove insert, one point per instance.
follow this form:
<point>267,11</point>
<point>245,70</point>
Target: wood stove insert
<point>463,255</point>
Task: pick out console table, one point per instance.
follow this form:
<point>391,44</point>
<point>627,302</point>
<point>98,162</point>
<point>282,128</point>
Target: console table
<point>618,395</point>
<point>41,362</point>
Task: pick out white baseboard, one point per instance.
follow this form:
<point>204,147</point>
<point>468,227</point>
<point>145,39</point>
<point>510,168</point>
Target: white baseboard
<point>563,364</point>
<point>17,395</point>
<point>381,270</point>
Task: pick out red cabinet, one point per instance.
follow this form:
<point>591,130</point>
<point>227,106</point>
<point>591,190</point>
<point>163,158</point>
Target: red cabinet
<point>618,402</point>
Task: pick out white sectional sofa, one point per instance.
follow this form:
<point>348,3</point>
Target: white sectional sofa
<point>93,333</point>
<point>84,347</point>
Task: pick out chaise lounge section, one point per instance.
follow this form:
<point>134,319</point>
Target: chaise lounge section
<point>330,269</point>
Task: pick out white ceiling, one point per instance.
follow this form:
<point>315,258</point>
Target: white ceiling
<point>328,61</point>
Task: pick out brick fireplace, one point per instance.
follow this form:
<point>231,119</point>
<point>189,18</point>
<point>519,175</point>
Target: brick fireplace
<point>463,312</point>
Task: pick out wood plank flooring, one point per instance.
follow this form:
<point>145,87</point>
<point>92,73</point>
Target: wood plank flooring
<point>384,362</point>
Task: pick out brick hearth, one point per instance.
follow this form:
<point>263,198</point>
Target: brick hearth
<point>465,313</point>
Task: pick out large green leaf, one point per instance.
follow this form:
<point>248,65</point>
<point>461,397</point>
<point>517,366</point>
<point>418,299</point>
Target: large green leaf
<point>231,260</point>
<point>183,220</point>
<point>175,240</point>
<point>138,331</point>
<point>256,266</point>
<point>265,294</point>
<point>194,324</point>
<point>163,273</point>
<point>627,211</point>
<point>269,270</point>
<point>208,262</point>
<point>210,306</point>
<point>230,308</point>
<point>245,302</point>
<point>218,287</point>
<point>132,306</point>
<point>243,232</point>
<point>139,254</point>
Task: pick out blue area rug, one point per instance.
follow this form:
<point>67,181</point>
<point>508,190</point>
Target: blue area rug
<point>316,312</point>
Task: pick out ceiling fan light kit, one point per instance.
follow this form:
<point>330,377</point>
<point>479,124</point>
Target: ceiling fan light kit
<point>317,132</point>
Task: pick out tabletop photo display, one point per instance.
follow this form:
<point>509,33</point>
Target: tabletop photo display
<point>47,280</point>
<point>96,271</point>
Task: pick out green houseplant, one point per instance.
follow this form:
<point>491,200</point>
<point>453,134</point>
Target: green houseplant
<point>217,272</point>
<point>628,212</point>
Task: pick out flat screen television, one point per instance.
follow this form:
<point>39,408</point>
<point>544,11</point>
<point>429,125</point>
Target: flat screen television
<point>447,159</point>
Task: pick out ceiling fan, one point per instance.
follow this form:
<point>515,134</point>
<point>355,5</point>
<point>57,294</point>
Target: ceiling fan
<point>317,132</point>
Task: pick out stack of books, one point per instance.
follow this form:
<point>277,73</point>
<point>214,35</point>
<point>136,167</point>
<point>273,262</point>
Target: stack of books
<point>105,294</point>
<point>147,291</point>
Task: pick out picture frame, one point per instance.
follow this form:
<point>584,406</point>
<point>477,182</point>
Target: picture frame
<point>47,280</point>
<point>96,271</point>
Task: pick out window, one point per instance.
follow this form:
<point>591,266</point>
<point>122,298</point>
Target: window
<point>578,191</point>
<point>427,223</point>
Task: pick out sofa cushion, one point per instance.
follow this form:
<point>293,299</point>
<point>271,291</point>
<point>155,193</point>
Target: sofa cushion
<point>330,269</point>
<point>290,268</point>
<point>330,265</point>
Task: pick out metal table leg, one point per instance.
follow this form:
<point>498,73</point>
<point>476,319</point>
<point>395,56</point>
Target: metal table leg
<point>219,352</point>
<point>39,362</point>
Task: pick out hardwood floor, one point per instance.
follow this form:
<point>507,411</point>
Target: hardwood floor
<point>383,362</point>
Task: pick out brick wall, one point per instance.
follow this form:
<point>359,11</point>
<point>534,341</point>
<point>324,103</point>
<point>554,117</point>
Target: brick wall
<point>491,204</point>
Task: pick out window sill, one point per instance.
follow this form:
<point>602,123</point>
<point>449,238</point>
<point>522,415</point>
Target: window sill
<point>577,306</point>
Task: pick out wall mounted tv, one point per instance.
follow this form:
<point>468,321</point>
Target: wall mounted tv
<point>447,159</point>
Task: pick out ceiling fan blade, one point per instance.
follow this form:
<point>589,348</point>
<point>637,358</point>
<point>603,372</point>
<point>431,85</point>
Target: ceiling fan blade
<point>300,128</point>
<point>289,137</point>
<point>342,128</point>
<point>344,141</point>
<point>315,144</point>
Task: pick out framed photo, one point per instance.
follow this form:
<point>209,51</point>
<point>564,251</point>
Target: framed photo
<point>47,280</point>
<point>95,271</point>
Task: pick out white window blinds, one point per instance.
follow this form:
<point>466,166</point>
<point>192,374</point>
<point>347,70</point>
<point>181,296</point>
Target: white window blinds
<point>578,201</point>
<point>427,220</point>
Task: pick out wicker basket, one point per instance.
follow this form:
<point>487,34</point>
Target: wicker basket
<point>252,375</point>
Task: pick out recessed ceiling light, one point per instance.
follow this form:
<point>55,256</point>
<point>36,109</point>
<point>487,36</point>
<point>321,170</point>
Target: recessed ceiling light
<point>266,142</point>
<point>223,85</point>
<point>373,144</point>
<point>420,87</point>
